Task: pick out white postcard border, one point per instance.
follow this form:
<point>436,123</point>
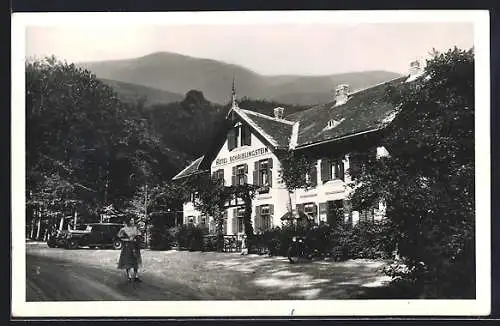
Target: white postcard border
<point>480,306</point>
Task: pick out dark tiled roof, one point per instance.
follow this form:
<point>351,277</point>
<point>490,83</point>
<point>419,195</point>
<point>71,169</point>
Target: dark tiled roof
<point>191,169</point>
<point>365,110</point>
<point>278,131</point>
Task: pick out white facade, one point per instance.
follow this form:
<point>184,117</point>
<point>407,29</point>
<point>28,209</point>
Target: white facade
<point>272,204</point>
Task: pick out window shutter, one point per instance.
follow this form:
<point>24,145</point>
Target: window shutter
<point>221,176</point>
<point>246,168</point>
<point>233,177</point>
<point>245,179</point>
<point>300,207</point>
<point>257,218</point>
<point>214,175</point>
<point>270,163</point>
<point>245,135</point>
<point>269,176</point>
<point>224,224</point>
<point>234,220</point>
<point>354,166</point>
<point>231,139</point>
<point>271,217</point>
<point>326,173</point>
<point>341,170</point>
<point>314,176</point>
<point>256,180</point>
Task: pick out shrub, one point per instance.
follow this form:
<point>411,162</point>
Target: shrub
<point>160,238</point>
<point>189,236</point>
<point>371,240</point>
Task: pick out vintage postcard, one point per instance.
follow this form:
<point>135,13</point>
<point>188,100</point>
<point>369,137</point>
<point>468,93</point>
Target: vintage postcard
<point>232,164</point>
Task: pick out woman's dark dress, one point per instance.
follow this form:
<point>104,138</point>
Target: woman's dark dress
<point>130,256</point>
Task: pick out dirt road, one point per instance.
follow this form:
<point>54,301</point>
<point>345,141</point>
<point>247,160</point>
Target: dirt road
<point>85,274</point>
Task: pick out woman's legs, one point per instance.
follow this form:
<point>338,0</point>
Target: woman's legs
<point>136,277</point>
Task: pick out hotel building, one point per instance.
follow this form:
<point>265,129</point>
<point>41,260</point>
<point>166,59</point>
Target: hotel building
<point>339,136</point>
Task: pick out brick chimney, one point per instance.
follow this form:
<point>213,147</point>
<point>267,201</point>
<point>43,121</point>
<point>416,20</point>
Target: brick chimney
<point>341,94</point>
<point>278,112</point>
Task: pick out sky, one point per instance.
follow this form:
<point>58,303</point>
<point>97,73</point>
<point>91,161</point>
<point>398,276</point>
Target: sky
<point>269,49</point>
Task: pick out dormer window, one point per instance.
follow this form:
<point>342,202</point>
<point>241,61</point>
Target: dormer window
<point>333,123</point>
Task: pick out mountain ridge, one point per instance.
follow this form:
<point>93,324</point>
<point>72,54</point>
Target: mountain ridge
<point>179,73</point>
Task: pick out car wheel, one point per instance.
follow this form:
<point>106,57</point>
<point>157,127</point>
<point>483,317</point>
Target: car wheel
<point>71,244</point>
<point>51,244</point>
<point>117,244</point>
<point>92,247</point>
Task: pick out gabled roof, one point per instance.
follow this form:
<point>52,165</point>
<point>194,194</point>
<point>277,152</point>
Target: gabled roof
<point>277,132</point>
<point>191,169</point>
<point>365,111</point>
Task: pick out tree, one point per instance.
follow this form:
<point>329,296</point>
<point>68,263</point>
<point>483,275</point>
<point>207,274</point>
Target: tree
<point>295,167</point>
<point>83,143</point>
<point>427,182</point>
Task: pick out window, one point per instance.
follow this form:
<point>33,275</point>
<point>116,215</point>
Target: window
<point>239,175</point>
<point>358,161</point>
<point>240,213</point>
<point>311,210</point>
<point>332,170</point>
<point>262,174</point>
<point>333,123</point>
<point>335,212</point>
<point>238,136</point>
<point>265,215</point>
<point>194,197</point>
<point>218,177</point>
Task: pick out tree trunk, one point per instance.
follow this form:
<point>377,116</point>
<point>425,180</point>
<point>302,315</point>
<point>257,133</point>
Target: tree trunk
<point>290,208</point>
<point>219,218</point>
<point>32,231</point>
<point>61,223</point>
<point>247,219</point>
<point>39,224</point>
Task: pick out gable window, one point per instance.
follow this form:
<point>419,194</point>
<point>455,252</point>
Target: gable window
<point>262,174</point>
<point>240,175</point>
<point>238,136</point>
<point>218,177</point>
<point>332,170</point>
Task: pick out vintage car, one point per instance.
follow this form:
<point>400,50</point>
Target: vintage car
<point>95,235</point>
<point>58,239</point>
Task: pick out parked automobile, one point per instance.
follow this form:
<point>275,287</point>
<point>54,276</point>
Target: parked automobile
<point>58,239</point>
<point>95,235</point>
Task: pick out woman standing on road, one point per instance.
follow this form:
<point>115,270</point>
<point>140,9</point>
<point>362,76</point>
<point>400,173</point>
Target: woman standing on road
<point>130,256</point>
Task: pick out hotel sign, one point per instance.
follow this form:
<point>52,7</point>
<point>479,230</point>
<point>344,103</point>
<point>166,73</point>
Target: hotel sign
<point>242,156</point>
